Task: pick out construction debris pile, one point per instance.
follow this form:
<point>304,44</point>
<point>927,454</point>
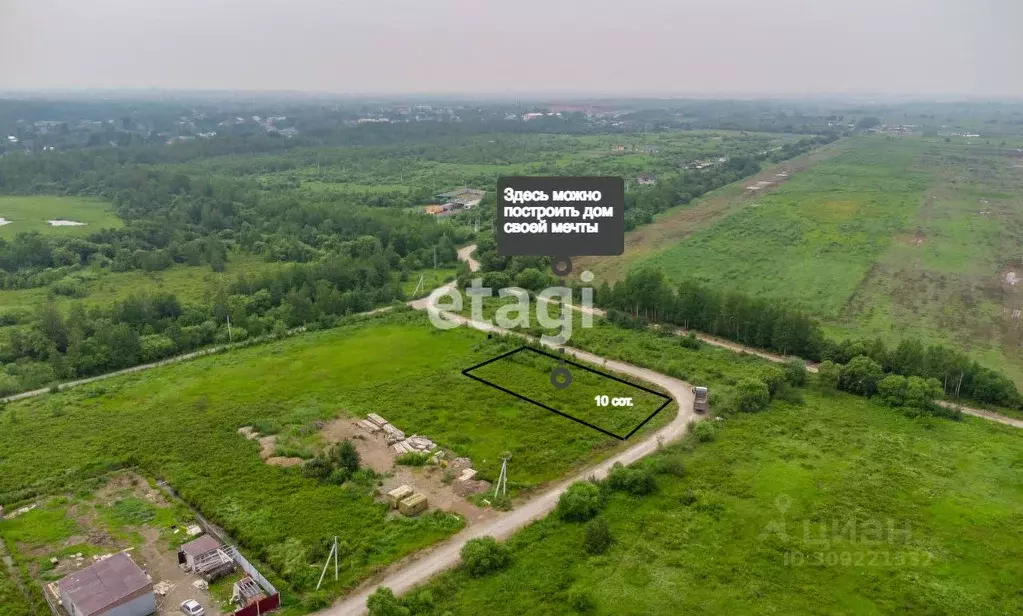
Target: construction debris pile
<point>396,438</point>
<point>466,484</point>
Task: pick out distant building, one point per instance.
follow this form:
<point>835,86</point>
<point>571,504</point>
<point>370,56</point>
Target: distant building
<point>646,180</point>
<point>463,198</point>
<point>115,586</point>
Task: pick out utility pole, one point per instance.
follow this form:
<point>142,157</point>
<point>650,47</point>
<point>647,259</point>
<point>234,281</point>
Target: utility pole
<point>333,554</point>
<point>502,479</point>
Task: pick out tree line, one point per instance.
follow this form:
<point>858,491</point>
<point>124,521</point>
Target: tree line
<point>86,341</point>
<point>646,296</point>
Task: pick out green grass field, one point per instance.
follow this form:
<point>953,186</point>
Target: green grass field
<point>889,238</point>
<point>32,213</point>
<point>840,506</point>
<point>180,422</point>
<point>192,285</point>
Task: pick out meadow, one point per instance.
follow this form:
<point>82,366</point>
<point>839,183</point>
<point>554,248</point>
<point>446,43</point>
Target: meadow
<point>31,213</point>
<point>97,287</point>
<point>835,506</point>
<point>886,238</point>
<point>180,423</point>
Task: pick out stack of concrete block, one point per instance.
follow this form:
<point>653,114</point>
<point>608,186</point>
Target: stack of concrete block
<point>411,505</point>
<point>468,474</point>
<point>398,494</point>
<point>377,420</point>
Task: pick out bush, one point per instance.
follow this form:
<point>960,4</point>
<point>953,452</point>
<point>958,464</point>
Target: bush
<point>892,390</point>
<point>580,502</point>
<point>347,456</point>
<point>795,372</point>
<point>637,481</point>
<point>704,431</point>
<point>484,555</point>
<point>861,376</point>
<point>414,458</point>
<point>751,396</point>
<point>384,603</point>
<point>597,536</point>
<point>580,601</point>
<point>690,341</point>
<point>670,465</point>
<point>828,374</point>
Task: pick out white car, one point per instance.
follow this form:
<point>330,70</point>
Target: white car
<point>192,608</point>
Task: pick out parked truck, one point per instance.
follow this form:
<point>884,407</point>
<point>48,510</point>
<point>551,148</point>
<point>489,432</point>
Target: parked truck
<point>701,401</point>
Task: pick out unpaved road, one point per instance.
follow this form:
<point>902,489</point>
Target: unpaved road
<point>810,366</point>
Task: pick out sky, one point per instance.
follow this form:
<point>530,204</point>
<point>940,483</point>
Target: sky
<point>495,47</point>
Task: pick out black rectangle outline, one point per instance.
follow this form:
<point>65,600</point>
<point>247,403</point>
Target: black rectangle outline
<point>667,399</point>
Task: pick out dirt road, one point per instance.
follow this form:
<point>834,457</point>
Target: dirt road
<point>810,366</point>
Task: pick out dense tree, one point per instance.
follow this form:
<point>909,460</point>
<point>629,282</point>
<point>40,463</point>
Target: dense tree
<point>751,395</point>
<point>580,502</point>
<point>484,555</point>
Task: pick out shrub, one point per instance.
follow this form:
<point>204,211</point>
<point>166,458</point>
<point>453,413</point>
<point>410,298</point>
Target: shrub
<point>347,456</point>
<point>414,458</point>
<point>688,497</point>
<point>773,377</point>
<point>704,431</point>
<point>860,376</point>
<point>690,341</point>
<point>670,465</point>
<point>751,395</point>
<point>892,390</point>
<point>384,603</point>
<point>795,372</point>
<point>580,502</point>
<point>597,536</point>
<point>484,555</point>
<point>828,374</point>
<point>637,481</point>
<point>580,601</point>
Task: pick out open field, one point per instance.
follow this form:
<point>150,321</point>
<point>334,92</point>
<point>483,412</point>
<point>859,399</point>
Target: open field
<point>679,223</point>
<point>877,237</point>
<point>101,288</point>
<point>180,423</point>
<point>837,506</point>
<point>32,213</point>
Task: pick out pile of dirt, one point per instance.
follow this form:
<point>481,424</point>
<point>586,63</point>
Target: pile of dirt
<point>268,447</point>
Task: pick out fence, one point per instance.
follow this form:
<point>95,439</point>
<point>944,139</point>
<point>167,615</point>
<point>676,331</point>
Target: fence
<point>260,607</point>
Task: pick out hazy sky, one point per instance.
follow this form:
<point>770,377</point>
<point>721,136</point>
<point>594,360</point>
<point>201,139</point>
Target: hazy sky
<point>633,47</point>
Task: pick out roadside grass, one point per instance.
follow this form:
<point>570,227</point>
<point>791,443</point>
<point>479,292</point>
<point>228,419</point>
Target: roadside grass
<point>838,506</point>
<point>180,423</point>
<point>31,213</point>
<point>12,600</point>
<point>432,278</point>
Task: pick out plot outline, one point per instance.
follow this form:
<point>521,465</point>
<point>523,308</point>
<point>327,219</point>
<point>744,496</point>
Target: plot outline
<point>667,399</point>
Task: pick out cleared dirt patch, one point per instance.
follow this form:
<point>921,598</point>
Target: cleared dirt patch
<point>268,447</point>
<point>372,448</point>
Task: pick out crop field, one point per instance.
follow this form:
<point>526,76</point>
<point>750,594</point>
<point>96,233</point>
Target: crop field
<point>26,214</point>
<point>884,238</point>
<point>837,506</point>
<point>180,423</point>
